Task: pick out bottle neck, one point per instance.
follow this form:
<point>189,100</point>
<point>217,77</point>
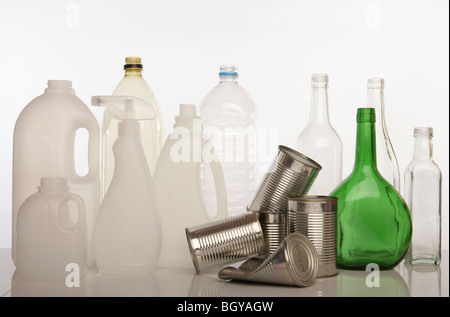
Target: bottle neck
<point>366,157</point>
<point>319,106</point>
<point>375,98</point>
<point>423,147</point>
<point>53,185</point>
<point>228,79</point>
<point>133,72</point>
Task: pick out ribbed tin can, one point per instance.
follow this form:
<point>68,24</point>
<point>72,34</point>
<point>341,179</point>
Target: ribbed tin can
<point>274,227</point>
<point>315,217</point>
<point>225,241</point>
<point>294,262</point>
<point>290,174</point>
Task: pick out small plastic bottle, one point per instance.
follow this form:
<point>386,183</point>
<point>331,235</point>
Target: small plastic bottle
<point>51,234</point>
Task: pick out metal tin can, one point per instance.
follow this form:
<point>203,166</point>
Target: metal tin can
<point>225,241</point>
<point>274,227</point>
<point>291,174</point>
<point>315,217</point>
<point>295,262</point>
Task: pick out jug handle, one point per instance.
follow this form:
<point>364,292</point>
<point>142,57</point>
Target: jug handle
<point>93,147</point>
<point>219,182</point>
<point>64,221</point>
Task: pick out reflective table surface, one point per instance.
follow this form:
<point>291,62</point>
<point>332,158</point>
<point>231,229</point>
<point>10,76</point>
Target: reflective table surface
<point>402,281</point>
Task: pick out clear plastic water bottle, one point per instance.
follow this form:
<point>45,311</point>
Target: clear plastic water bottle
<point>228,117</point>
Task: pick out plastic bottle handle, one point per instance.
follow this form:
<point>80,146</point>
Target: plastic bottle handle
<point>93,147</point>
<point>219,182</point>
<point>64,218</point>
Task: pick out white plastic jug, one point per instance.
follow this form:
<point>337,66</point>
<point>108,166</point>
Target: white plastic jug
<point>127,234</point>
<point>178,187</point>
<point>44,141</point>
<point>51,234</point>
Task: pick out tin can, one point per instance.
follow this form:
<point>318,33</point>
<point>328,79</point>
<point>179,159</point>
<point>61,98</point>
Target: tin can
<point>225,241</point>
<point>315,217</point>
<point>290,174</point>
<point>294,262</point>
<point>274,227</point>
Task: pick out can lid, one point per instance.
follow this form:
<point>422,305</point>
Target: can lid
<point>302,258</point>
<point>295,160</point>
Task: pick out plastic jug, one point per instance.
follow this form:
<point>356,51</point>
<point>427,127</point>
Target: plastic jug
<point>127,234</point>
<point>178,186</point>
<point>44,142</point>
<point>51,236</point>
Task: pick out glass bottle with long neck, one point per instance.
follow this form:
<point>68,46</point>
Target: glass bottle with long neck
<point>320,141</point>
<point>373,221</point>
<point>423,181</point>
<point>149,118</point>
<point>386,159</point>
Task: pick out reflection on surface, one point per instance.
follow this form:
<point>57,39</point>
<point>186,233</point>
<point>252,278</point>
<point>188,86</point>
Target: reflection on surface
<point>346,283</point>
<point>404,280</point>
<point>423,280</point>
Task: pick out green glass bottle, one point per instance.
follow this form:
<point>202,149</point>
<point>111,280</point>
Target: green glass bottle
<point>373,221</point>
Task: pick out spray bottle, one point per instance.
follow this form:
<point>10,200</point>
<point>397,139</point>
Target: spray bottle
<point>127,233</point>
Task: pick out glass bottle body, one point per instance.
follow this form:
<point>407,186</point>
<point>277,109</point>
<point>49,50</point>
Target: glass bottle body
<point>373,221</point>
<point>319,140</point>
<point>423,183</point>
<point>386,160</point>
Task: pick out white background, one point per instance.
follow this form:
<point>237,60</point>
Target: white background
<point>277,45</point>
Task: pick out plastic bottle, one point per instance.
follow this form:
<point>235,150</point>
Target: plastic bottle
<point>178,188</point>
<point>373,223</point>
<point>152,130</point>
<point>320,141</point>
<point>50,235</point>
<point>44,142</point>
<point>228,115</point>
<point>127,235</point>
<point>423,194</point>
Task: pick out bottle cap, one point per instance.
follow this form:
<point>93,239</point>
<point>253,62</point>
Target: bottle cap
<point>188,110</point>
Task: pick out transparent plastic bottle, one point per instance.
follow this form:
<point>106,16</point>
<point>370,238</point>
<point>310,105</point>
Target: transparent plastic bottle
<point>386,159</point>
<point>152,134</point>
<point>423,190</point>
<point>320,141</point>
<point>228,117</point>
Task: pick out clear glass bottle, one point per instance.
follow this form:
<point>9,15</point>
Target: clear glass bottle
<point>373,221</point>
<point>386,159</point>
<point>151,128</point>
<point>423,190</point>
<point>320,141</point>
<point>228,118</point>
